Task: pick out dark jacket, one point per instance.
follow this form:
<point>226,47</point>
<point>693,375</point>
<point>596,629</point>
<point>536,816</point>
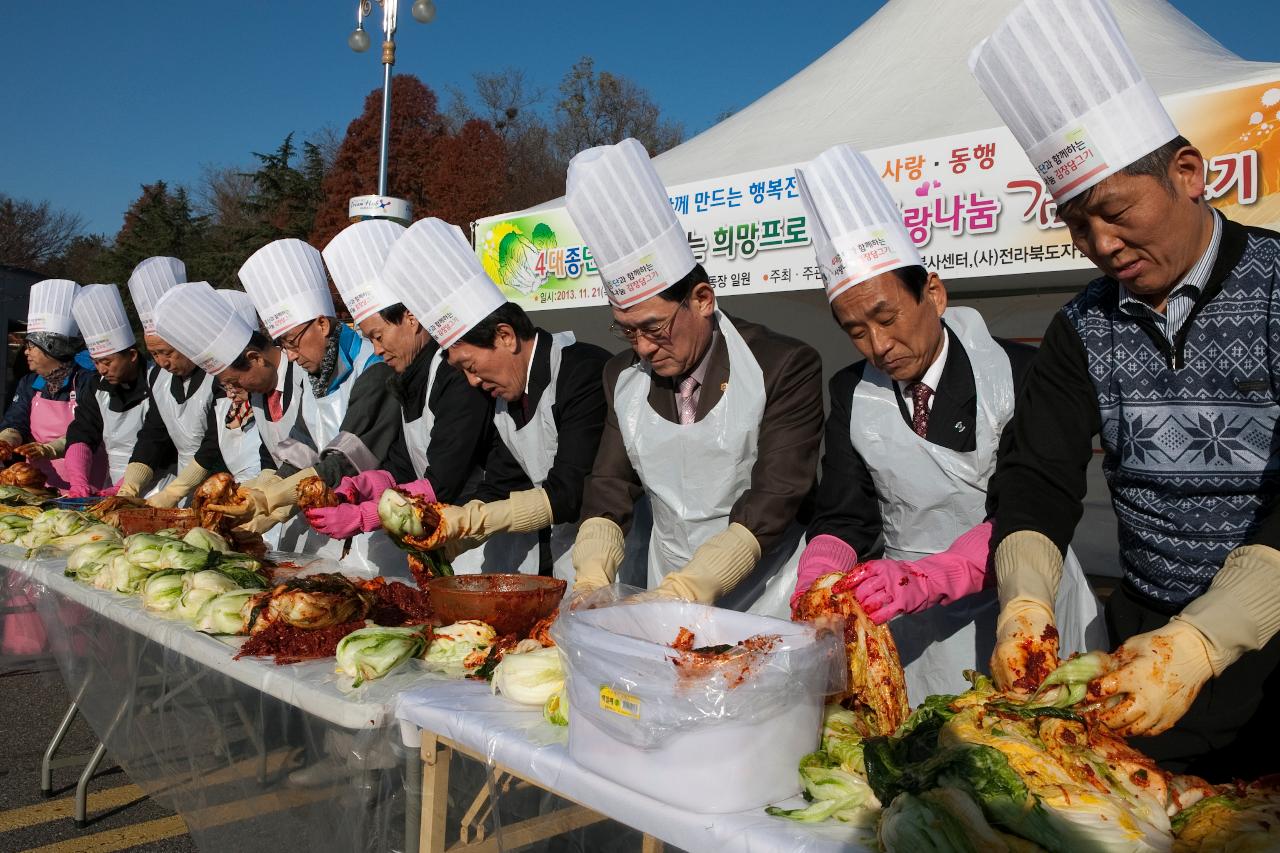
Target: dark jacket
<point>579,415</point>
<point>847,506</point>
<point>790,434</point>
<point>86,428</point>
<point>463,429</point>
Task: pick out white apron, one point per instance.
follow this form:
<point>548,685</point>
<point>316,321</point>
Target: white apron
<point>694,473</point>
<point>287,441</point>
<point>185,421</point>
<point>239,446</point>
<point>534,447</point>
<point>119,432</point>
<point>417,438</point>
<point>930,495</point>
<point>369,552</point>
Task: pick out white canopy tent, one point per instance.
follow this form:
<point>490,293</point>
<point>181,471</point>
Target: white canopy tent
<point>903,76</point>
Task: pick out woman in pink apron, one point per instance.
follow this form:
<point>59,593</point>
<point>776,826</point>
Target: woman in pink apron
<point>35,425</point>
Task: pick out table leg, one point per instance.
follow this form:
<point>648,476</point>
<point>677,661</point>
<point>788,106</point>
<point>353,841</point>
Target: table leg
<point>46,765</point>
<point>435,794</point>
<point>649,844</point>
<point>82,787</point>
<point>412,800</point>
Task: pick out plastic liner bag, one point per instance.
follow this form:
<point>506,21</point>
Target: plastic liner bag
<point>675,725</point>
<point>622,645</point>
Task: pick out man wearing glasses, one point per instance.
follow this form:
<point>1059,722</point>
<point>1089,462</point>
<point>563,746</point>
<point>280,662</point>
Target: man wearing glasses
<point>349,417</point>
<point>715,419</point>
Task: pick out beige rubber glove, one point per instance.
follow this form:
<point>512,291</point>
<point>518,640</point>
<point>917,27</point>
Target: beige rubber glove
<point>11,437</point>
<point>137,477</point>
<point>181,486</point>
<point>262,522</point>
<point>716,567</point>
<point>48,450</point>
<point>1157,676</point>
<point>468,526</point>
<point>1160,673</point>
<point>597,553</point>
<point>1028,570</point>
<point>258,510</point>
<point>284,492</point>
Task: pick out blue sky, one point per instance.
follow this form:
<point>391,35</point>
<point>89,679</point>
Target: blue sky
<point>98,100</point>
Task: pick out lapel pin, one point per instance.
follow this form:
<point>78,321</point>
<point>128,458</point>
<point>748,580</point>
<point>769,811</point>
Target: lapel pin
<point>959,426</point>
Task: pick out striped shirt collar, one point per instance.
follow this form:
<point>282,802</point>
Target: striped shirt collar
<point>1184,295</point>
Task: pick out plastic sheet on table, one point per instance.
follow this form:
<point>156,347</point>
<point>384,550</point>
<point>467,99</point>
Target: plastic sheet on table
<point>253,756</point>
<point>507,737</point>
<point>621,642</point>
<point>24,644</point>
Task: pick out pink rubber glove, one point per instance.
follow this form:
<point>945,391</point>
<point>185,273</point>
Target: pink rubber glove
<point>110,491</point>
<point>343,520</point>
<point>76,463</point>
<point>421,489</point>
<point>823,555</point>
<point>365,486</point>
<point>887,588</point>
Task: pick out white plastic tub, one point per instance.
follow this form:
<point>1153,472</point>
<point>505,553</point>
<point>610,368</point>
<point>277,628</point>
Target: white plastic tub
<point>700,746</point>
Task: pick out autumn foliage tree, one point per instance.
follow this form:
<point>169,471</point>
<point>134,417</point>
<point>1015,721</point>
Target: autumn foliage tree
<point>456,176</point>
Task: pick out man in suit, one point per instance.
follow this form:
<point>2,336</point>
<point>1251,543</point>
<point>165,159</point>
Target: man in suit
<point>716,420</point>
<point>913,435</point>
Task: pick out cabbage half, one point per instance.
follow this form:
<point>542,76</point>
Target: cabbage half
<point>372,652</point>
<point>162,590</point>
<point>222,614</point>
<point>531,678</point>
<point>84,562</point>
<point>127,576</point>
<point>207,540</point>
<point>556,709</point>
<point>453,644</point>
<point>12,526</point>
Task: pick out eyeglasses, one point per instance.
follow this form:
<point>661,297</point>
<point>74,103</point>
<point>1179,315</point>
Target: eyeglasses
<point>654,332</point>
<point>292,344</point>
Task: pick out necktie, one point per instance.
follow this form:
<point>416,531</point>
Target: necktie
<point>687,404</point>
<point>274,407</point>
<point>920,394</point>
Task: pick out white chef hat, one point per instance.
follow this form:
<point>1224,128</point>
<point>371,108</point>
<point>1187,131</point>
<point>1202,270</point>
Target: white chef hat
<point>49,307</point>
<point>242,304</point>
<point>100,313</point>
<point>434,272</point>
<point>200,324</point>
<point>287,281</point>
<point>355,257</point>
<point>1064,81</point>
<point>856,225</point>
<point>149,281</point>
<point>621,208</point>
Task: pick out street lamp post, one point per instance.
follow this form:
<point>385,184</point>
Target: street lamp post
<point>423,11</point>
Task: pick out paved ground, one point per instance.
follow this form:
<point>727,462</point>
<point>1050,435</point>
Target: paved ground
<point>121,817</point>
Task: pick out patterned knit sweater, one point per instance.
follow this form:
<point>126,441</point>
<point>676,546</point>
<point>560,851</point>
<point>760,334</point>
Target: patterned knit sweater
<point>1188,431</point>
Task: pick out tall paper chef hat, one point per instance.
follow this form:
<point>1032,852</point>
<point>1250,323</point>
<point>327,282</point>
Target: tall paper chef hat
<point>856,225</point>
<point>149,281</point>
<point>434,272</point>
<point>1063,79</point>
<point>622,211</point>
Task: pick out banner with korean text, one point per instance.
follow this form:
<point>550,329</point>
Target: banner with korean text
<point>972,203</point>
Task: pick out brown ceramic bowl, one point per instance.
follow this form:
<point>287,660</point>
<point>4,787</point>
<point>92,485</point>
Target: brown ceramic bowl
<point>512,604</point>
